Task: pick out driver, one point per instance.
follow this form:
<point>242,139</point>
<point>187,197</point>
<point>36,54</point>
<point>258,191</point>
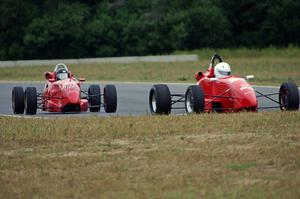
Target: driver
<point>61,74</point>
<point>222,70</point>
<point>61,71</point>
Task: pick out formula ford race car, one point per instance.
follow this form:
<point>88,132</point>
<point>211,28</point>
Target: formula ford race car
<point>218,91</point>
<point>63,93</point>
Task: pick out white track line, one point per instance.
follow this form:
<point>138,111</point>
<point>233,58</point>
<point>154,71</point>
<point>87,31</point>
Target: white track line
<point>24,116</point>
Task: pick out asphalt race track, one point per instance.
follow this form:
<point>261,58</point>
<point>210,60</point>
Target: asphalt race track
<point>132,98</point>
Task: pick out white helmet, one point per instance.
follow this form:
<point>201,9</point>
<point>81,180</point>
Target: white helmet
<point>61,71</point>
<point>222,69</point>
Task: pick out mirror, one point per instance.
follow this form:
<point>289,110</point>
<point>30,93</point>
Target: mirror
<point>249,77</point>
<point>47,75</point>
<point>81,79</point>
<point>198,75</point>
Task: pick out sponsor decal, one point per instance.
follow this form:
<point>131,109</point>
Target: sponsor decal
<point>71,86</point>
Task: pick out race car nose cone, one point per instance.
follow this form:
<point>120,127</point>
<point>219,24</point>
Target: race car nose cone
<point>73,97</point>
<point>245,94</point>
<point>249,100</point>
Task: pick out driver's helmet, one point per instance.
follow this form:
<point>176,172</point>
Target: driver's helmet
<point>222,69</point>
<point>61,71</point>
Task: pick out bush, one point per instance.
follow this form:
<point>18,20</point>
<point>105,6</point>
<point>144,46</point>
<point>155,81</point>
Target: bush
<point>207,27</point>
<point>282,24</point>
<point>15,16</point>
<point>59,33</point>
<point>33,29</point>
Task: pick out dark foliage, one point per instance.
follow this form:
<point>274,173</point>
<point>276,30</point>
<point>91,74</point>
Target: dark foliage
<point>32,29</point>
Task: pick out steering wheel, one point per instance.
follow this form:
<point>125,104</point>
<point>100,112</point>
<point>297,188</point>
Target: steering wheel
<point>216,56</point>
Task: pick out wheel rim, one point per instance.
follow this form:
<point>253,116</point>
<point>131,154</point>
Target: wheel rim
<point>25,104</point>
<point>189,102</point>
<point>153,103</point>
<point>13,101</point>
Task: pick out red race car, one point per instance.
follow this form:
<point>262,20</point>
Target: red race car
<point>219,91</point>
<point>63,93</point>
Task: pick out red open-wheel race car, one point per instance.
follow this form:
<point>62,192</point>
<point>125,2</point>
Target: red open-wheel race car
<point>63,93</point>
<point>219,91</point>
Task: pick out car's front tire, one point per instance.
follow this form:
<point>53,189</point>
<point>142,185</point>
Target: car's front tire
<point>18,100</point>
<point>110,99</point>
<point>194,99</point>
<point>30,101</point>
<point>160,99</point>
<point>289,96</point>
<point>94,98</point>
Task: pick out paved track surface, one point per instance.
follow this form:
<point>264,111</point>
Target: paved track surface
<point>132,98</point>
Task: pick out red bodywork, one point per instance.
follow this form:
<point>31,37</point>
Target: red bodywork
<point>62,95</point>
<point>228,94</point>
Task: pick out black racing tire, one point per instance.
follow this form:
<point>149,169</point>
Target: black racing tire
<point>160,99</point>
<point>94,98</point>
<point>289,96</point>
<point>30,101</point>
<point>194,99</point>
<point>18,100</point>
<point>110,98</point>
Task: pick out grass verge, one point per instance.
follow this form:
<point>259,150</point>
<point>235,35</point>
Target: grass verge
<point>269,66</point>
<point>244,155</point>
<point>270,52</point>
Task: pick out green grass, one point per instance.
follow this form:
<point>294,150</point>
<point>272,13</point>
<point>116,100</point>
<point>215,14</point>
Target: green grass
<point>244,155</point>
<point>238,166</point>
<point>288,52</point>
<point>270,66</point>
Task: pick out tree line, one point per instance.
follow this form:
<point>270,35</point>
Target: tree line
<point>45,29</point>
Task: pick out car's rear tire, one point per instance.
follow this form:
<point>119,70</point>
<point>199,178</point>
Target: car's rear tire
<point>30,101</point>
<point>18,100</point>
<point>110,99</point>
<point>160,99</point>
<point>194,99</point>
<point>94,96</point>
<point>289,96</point>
